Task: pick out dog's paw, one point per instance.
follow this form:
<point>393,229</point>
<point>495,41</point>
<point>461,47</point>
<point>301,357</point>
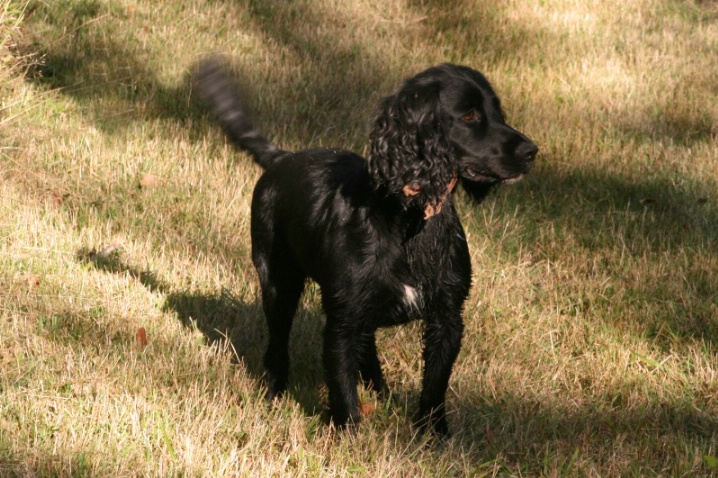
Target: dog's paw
<point>345,421</point>
<point>273,391</point>
<point>433,422</point>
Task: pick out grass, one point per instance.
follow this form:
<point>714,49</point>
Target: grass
<point>590,346</point>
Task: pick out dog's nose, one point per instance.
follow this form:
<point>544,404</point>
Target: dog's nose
<point>526,151</point>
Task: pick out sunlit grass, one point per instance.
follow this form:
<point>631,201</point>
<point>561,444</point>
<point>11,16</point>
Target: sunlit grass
<point>593,318</point>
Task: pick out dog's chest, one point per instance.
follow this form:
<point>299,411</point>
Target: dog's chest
<point>397,303</point>
<point>409,290</point>
<point>410,279</point>
<point>410,297</point>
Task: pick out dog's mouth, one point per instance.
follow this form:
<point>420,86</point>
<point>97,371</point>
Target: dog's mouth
<point>513,180</point>
<point>473,174</point>
<point>477,175</point>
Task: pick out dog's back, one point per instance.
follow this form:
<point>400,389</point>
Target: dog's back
<point>306,198</point>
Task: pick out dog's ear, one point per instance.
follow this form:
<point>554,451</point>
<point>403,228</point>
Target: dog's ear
<point>409,147</point>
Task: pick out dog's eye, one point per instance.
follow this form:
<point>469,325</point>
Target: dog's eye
<point>471,116</point>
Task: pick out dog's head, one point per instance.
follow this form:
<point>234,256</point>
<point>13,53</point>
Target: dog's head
<point>444,123</point>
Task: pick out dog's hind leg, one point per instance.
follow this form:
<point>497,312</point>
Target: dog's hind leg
<point>282,283</point>
<point>280,297</point>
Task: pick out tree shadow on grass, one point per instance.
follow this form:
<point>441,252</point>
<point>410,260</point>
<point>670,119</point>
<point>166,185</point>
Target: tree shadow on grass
<point>529,435</point>
<point>336,106</point>
<point>480,29</point>
<point>102,68</point>
<point>87,56</point>
<point>653,222</point>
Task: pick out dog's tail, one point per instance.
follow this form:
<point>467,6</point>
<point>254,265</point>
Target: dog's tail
<point>221,94</point>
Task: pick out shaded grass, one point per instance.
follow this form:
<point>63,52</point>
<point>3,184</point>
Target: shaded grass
<point>591,328</point>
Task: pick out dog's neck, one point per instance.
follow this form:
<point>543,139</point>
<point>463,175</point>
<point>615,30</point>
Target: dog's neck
<point>406,221</point>
<point>431,209</point>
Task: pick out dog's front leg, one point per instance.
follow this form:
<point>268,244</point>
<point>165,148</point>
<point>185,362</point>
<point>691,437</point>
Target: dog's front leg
<point>342,372</point>
<point>370,367</point>
<point>442,341</point>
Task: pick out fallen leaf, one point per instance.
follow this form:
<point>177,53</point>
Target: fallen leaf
<point>489,434</point>
<point>366,408</point>
<point>141,338</point>
<point>149,181</point>
<point>108,251</point>
<point>57,198</point>
<point>32,281</point>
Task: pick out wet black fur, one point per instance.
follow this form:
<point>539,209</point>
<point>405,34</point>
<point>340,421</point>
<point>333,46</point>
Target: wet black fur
<point>343,221</point>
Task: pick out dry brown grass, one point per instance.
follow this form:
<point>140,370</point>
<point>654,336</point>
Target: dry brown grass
<point>593,319</point>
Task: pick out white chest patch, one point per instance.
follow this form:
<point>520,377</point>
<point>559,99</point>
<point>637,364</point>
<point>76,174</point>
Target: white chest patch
<point>412,297</point>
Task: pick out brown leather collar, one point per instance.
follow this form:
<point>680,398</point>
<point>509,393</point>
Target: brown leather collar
<point>431,209</point>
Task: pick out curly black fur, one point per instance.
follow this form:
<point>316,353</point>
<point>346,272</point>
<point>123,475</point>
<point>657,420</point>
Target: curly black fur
<point>409,144</point>
<point>380,236</point>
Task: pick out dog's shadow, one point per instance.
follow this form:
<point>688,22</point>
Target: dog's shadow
<point>221,317</point>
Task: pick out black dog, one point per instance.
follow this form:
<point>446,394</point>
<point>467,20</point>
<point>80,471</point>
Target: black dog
<point>379,235</point>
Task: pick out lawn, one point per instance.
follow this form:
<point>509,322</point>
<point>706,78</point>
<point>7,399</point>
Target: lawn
<point>131,336</point>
